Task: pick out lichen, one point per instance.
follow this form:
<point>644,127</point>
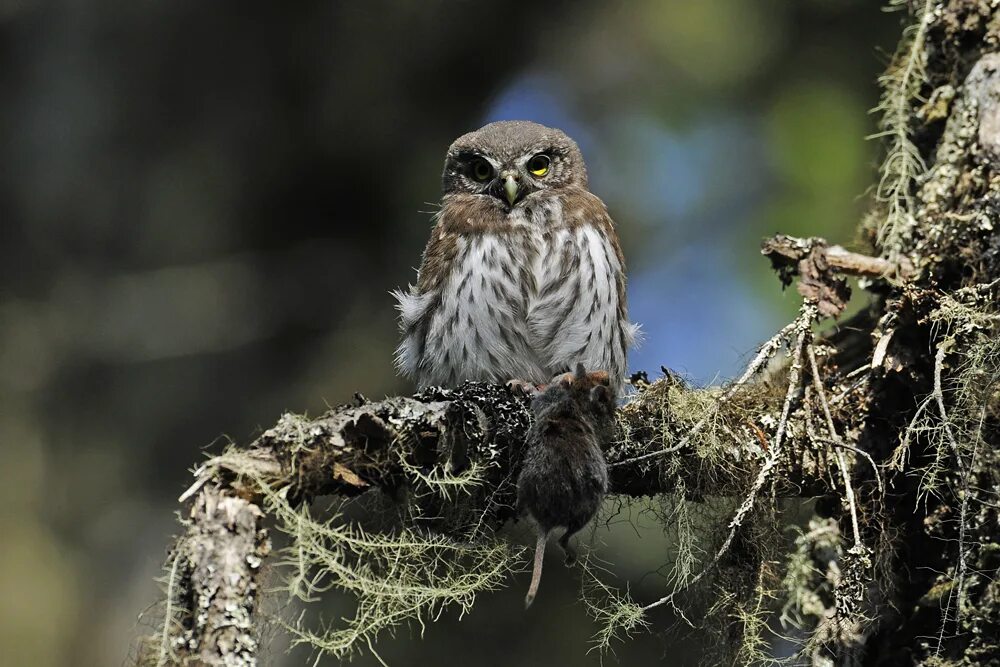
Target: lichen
<point>395,577</point>
<point>901,85</point>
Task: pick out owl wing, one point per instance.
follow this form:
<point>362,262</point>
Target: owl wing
<point>580,312</point>
<point>417,305</point>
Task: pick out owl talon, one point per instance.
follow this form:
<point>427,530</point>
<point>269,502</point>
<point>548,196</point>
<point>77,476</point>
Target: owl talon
<point>582,376</point>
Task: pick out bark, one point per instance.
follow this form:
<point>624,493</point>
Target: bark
<point>217,565</point>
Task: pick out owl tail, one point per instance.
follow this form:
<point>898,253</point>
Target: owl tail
<point>536,573</point>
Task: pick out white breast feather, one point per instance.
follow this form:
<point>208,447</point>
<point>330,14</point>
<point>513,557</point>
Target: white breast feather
<point>486,326</point>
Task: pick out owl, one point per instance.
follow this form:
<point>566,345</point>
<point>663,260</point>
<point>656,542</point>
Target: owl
<point>523,277</point>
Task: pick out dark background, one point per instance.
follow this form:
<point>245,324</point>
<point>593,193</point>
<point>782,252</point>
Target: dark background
<point>203,207</point>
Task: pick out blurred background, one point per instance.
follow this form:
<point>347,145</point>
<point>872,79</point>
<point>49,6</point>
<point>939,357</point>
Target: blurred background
<point>204,206</point>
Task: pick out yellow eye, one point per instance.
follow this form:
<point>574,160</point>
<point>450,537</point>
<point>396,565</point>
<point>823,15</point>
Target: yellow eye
<point>482,170</point>
<point>539,164</point>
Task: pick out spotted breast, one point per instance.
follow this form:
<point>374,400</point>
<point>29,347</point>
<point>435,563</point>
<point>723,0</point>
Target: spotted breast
<point>525,294</point>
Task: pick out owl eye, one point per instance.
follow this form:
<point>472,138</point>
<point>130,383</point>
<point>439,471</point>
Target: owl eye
<point>482,170</point>
<point>539,164</point>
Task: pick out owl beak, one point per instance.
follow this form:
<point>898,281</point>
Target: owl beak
<point>511,186</point>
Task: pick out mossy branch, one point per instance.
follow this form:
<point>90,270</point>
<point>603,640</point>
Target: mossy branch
<point>448,448</point>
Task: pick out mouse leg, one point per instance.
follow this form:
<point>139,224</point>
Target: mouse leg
<point>566,547</point>
<point>522,387</point>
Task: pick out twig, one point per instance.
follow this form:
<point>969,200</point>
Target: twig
<point>938,396</point>
<point>788,249</point>
<point>846,392</point>
<point>168,615</point>
<point>841,459</point>
<point>859,452</point>
<point>802,327</point>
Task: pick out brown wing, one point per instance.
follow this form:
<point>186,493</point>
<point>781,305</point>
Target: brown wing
<point>586,208</point>
<point>418,304</point>
<point>460,214</point>
<point>438,257</point>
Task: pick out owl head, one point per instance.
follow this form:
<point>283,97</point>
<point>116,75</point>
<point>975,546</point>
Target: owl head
<point>512,160</point>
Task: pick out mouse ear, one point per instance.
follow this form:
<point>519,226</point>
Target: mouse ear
<point>581,372</point>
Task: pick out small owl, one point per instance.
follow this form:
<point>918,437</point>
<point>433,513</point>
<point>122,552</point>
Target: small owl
<point>523,277</point>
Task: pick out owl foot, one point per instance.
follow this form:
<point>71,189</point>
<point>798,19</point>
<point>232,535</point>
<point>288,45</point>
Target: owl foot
<point>522,387</point>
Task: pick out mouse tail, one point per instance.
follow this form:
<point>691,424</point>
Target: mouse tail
<point>536,573</point>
